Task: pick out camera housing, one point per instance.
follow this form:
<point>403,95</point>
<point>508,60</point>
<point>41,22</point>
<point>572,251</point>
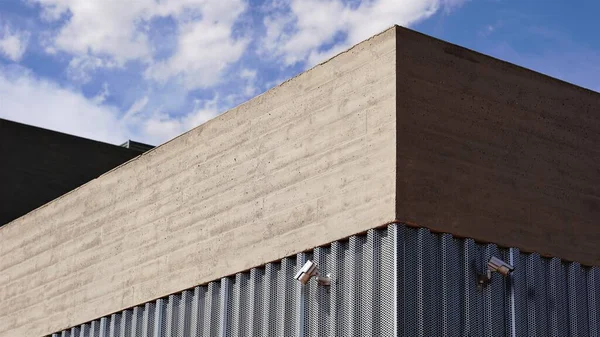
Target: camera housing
<point>495,265</point>
<point>308,270</point>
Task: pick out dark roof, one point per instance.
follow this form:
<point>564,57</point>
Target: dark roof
<point>39,165</point>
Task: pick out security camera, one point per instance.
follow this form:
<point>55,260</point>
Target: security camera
<point>495,265</point>
<point>309,270</point>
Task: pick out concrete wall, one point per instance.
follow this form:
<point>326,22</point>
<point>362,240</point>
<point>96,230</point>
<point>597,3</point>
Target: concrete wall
<point>40,165</point>
<point>304,164</point>
<point>496,152</point>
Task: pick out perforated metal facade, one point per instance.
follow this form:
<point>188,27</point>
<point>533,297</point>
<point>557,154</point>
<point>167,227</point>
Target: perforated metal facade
<point>396,281</point>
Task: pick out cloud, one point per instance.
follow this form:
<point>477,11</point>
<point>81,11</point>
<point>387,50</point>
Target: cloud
<point>80,67</point>
<point>35,101</point>
<point>28,99</point>
<point>13,43</point>
<point>204,50</point>
<point>109,33</point>
<point>163,126</point>
<point>312,30</point>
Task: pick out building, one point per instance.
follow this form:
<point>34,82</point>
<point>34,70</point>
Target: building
<point>400,167</point>
<point>40,165</point>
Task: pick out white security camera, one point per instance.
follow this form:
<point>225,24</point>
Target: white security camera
<point>495,265</point>
<point>309,270</point>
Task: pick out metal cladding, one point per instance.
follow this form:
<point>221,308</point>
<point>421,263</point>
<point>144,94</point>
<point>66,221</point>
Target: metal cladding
<point>396,281</point>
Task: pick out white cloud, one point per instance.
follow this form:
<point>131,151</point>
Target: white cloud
<point>301,33</point>
<point>13,43</point>
<point>110,33</point>
<point>81,66</point>
<point>30,100</point>
<point>204,49</point>
<point>163,126</point>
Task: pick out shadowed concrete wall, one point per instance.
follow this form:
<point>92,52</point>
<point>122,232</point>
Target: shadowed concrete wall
<point>496,152</point>
<point>39,165</point>
<point>307,163</point>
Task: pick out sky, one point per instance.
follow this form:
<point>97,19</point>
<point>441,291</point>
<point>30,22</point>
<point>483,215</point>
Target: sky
<point>149,70</point>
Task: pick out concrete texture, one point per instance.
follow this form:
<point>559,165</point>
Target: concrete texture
<point>304,164</point>
<point>39,165</point>
<point>496,152</point>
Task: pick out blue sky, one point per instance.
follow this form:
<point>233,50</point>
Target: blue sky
<point>148,70</point>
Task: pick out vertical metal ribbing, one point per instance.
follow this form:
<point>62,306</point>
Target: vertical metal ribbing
<point>494,313</point>
<point>353,289</point>
<point>367,281</point>
<point>292,296</point>
<point>553,293</point>
<point>237,307</point>
<point>282,299</point>
<point>334,290</point>
<point>183,321</point>
<point>148,317</point>
<point>84,331</point>
<point>94,328</point>
<point>522,301</point>
<point>256,287</point>
<point>114,324</point>
<point>208,310</point>
<point>512,324</point>
<point>317,308</point>
<point>452,289</point>
<point>159,315</point>
<point>344,289</point>
<point>572,300</point>
<point>576,289</point>
<point>74,332</point>
<point>136,321</point>
<point>432,284</point>
<point>470,269</point>
<point>541,322</point>
<point>410,277</point>
<point>169,322</point>
<point>303,292</point>
<point>399,286</point>
<point>384,275</point>
<point>65,333</point>
<point>488,305</point>
<point>103,327</point>
<point>125,327</point>
<point>445,320</point>
<point>267,304</point>
<point>419,305</point>
<point>212,315</point>
<point>112,330</point>
<point>225,304</point>
<point>251,299</point>
<point>593,301</point>
<point>311,306</point>
<point>197,315</point>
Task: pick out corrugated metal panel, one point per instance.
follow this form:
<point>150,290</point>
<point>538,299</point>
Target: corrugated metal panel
<point>391,282</point>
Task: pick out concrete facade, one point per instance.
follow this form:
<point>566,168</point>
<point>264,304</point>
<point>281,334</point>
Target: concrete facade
<point>299,166</point>
<point>400,127</point>
<point>39,165</point>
